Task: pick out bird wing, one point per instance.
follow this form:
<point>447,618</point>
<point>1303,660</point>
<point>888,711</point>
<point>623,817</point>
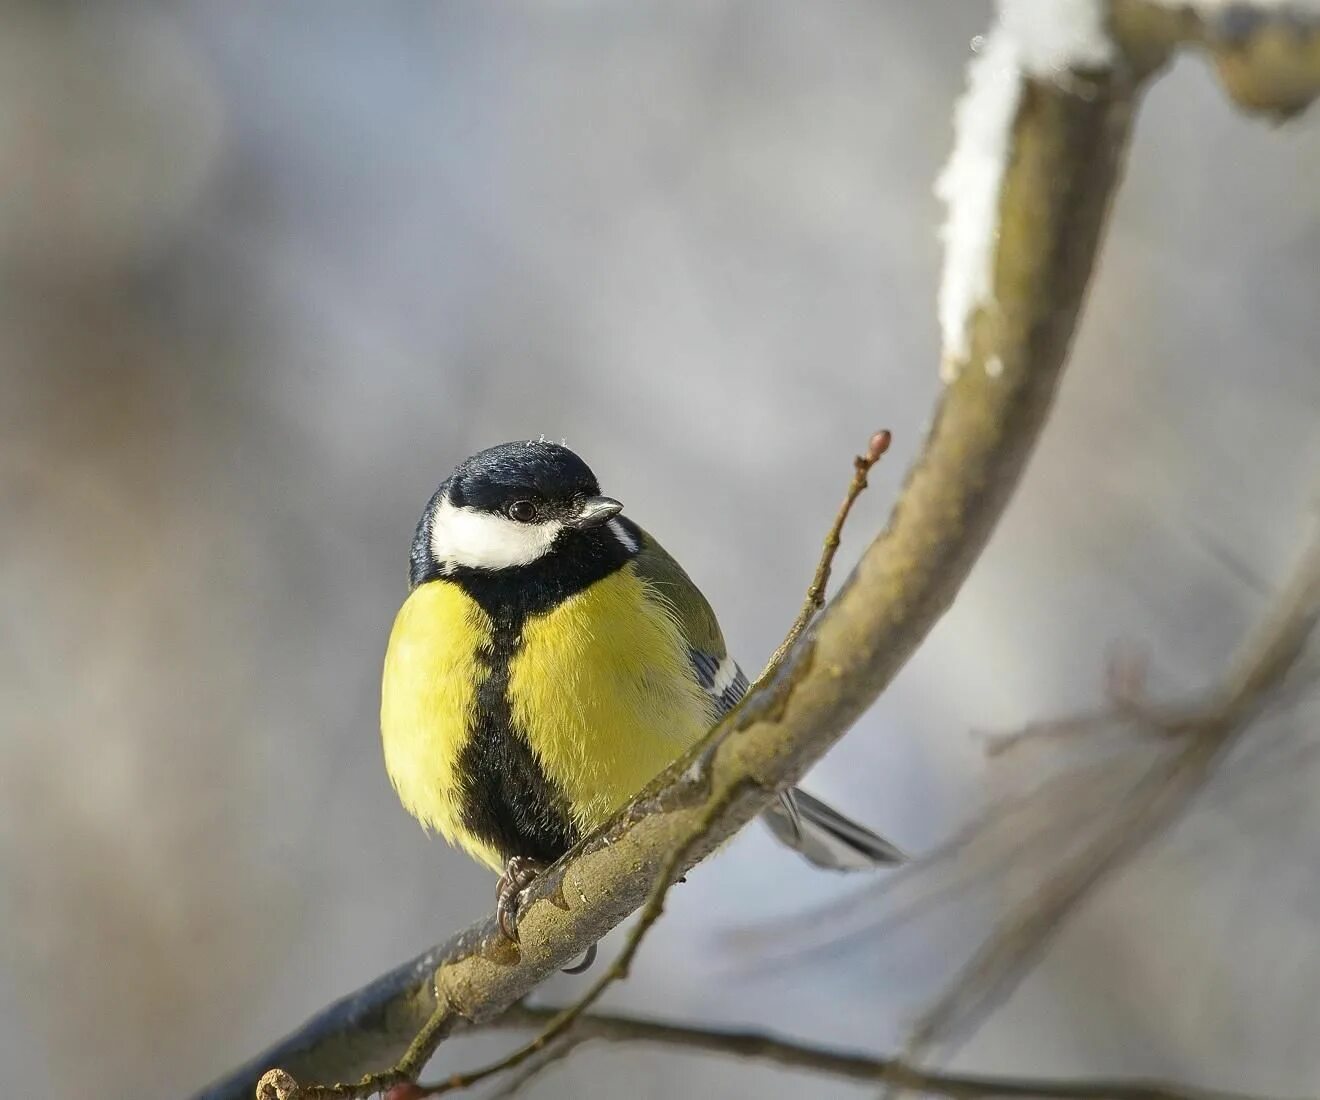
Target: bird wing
<point>821,834</point>
<point>716,672</point>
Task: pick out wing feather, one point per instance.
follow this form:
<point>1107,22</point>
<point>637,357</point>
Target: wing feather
<point>822,835</point>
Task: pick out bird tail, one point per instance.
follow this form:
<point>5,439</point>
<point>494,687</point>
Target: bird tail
<point>825,837</point>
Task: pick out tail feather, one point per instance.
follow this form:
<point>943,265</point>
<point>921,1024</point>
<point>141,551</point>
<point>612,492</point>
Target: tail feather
<point>825,837</point>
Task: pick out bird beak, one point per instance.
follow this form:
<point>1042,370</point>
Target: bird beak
<point>595,511</point>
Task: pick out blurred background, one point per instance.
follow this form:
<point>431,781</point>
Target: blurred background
<point>269,271</point>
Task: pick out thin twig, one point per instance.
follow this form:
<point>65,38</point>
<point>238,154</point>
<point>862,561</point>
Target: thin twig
<point>1260,667</point>
<point>534,1067</point>
<point>1060,729</point>
<point>986,848</point>
<point>849,1065</point>
<point>1125,683</point>
<point>815,598</point>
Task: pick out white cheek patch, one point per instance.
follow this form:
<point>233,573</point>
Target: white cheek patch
<point>483,540</point>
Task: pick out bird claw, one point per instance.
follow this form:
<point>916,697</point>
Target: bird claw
<point>519,873</point>
<point>584,965</point>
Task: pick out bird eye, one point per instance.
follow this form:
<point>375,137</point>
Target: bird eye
<point>524,511</point>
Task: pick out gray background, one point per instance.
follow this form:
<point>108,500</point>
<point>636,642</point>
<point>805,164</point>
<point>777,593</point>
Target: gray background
<point>270,271</point>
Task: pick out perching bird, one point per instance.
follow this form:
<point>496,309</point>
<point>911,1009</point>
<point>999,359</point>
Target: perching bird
<point>549,661</point>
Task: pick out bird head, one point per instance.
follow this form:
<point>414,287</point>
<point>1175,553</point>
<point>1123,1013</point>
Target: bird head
<point>507,507</point>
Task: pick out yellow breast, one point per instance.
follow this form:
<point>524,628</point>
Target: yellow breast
<point>603,688</point>
<point>428,696</point>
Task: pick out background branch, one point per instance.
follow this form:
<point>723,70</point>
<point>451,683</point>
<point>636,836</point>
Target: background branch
<point>845,1065</point>
<point>1200,737</point>
<point>1066,143</point>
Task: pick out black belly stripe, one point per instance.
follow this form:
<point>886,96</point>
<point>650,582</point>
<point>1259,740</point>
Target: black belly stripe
<point>508,800</point>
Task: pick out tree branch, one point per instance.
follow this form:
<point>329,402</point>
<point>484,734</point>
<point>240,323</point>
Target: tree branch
<point>846,1065</point>
<point>559,1024</point>
<point>1201,736</point>
<point>1066,145</point>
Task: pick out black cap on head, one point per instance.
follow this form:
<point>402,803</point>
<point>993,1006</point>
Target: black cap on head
<point>514,506</point>
<point>493,477</point>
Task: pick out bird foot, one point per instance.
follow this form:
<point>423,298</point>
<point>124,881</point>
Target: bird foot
<point>519,873</point>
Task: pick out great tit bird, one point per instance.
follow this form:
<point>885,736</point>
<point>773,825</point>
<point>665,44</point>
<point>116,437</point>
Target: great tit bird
<point>549,661</point>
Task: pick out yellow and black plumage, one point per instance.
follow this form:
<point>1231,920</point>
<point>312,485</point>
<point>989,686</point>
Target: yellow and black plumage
<point>549,661</point>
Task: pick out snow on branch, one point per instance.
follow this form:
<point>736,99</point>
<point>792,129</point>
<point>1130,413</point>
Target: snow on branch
<point>1267,53</point>
<point>1033,39</point>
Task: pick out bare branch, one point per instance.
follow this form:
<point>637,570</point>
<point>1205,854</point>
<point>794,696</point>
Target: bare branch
<point>850,1066</point>
<point>815,600</point>
<point>1267,54</point>
<point>533,1069</point>
<point>559,1024</point>
<point>1260,667</point>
